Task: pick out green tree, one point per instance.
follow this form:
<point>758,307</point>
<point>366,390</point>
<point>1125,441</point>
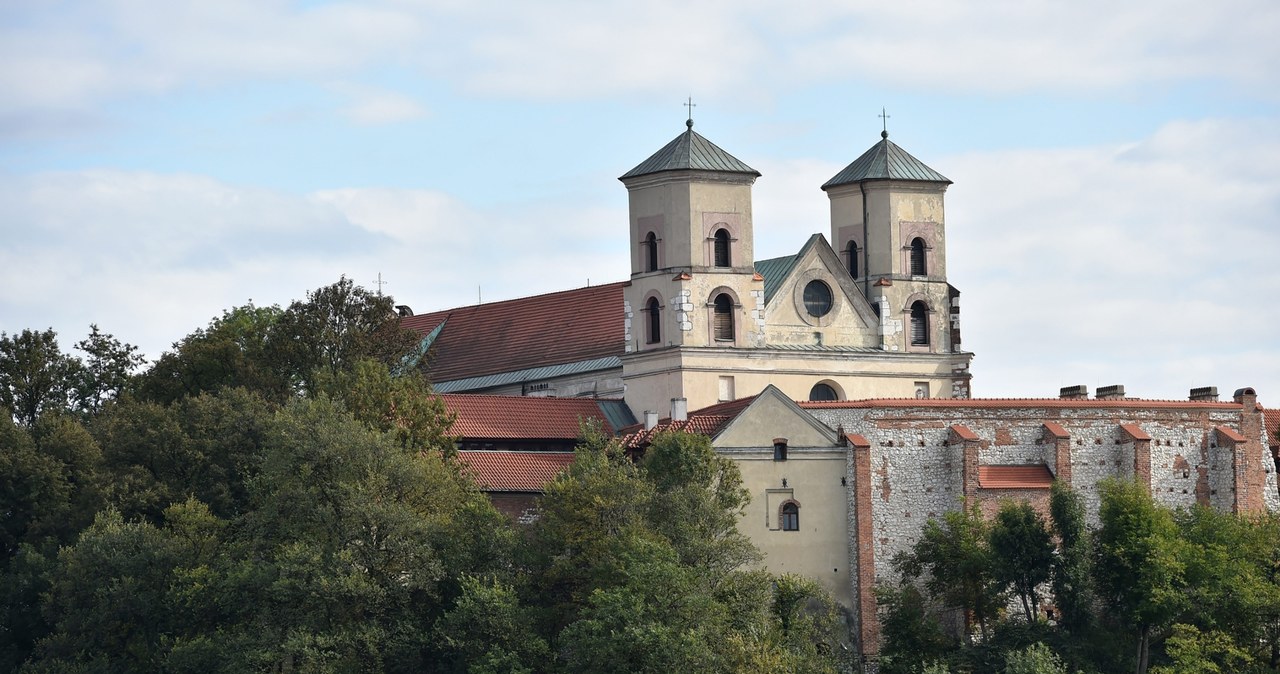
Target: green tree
<point>231,352</point>
<point>107,600</point>
<point>1232,569</point>
<point>1034,659</point>
<point>955,554</point>
<point>1194,652</point>
<point>34,495</point>
<point>35,375</point>
<point>911,633</point>
<point>1022,552</point>
<point>400,406</point>
<point>351,530</point>
<point>1139,563</point>
<point>1072,568</point>
<point>108,368</point>
<point>335,327</point>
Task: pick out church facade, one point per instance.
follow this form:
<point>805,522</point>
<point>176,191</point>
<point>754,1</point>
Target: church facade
<point>866,313</point>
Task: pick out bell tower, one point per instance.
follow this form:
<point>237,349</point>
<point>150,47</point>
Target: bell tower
<point>888,225</point>
<point>692,270</point>
<point>693,280</point>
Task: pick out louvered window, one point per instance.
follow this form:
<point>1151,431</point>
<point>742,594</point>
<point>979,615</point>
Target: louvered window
<point>722,318</point>
<point>651,252</point>
<point>852,252</point>
<point>654,316</point>
<point>722,248</point>
<point>918,267</point>
<point>919,324</point>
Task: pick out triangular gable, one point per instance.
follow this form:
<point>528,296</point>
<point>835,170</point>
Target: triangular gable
<point>817,253</point>
<point>773,415</point>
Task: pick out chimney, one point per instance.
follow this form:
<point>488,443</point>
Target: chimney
<point>1077,392</point>
<point>1113,392</point>
<point>650,420</point>
<point>1205,394</point>
<point>1246,396</point>
<point>679,409</point>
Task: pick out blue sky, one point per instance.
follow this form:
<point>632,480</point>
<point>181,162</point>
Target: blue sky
<point>1115,216</point>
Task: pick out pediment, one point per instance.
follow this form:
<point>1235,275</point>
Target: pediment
<point>773,415</point>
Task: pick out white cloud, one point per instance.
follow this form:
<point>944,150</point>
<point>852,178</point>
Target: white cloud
<point>371,106</point>
<point>150,257</point>
<point>1150,265</point>
<point>74,56</point>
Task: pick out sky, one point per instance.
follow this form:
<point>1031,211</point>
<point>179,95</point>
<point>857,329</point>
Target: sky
<point>1114,217</point>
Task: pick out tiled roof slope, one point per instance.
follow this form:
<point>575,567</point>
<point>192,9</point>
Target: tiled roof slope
<point>690,151</point>
<point>707,421</point>
<point>885,161</point>
<point>515,471</point>
<point>523,418</point>
<point>1035,476</point>
<point>561,327</point>
<point>775,270</point>
<point>1271,421</point>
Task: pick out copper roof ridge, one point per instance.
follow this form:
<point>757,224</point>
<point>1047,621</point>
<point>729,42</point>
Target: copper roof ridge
<point>520,299</point>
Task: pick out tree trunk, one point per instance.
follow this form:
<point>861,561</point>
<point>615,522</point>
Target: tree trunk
<point>1144,639</point>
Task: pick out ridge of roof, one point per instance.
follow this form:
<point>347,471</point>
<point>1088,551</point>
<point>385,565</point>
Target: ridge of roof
<point>1057,403</point>
<point>885,161</point>
<point>690,151</point>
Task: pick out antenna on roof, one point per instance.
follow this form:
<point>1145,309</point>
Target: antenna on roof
<point>884,121</point>
<point>478,299</point>
<point>380,283</point>
<point>691,105</point>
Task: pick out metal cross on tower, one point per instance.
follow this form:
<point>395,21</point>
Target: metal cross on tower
<point>884,121</point>
<point>690,105</point>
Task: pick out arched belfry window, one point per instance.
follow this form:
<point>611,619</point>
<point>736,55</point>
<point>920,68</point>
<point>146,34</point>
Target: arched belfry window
<point>653,314</point>
<point>919,324</point>
<point>722,248</point>
<point>651,252</point>
<point>789,516</point>
<point>722,318</point>
<point>918,266</point>
<point>852,252</point>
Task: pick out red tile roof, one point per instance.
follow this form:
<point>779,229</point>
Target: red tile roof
<point>520,418</point>
<point>1010,403</point>
<point>1056,430</point>
<point>964,433</point>
<point>1034,476</point>
<point>1135,432</point>
<point>1271,421</point>
<point>515,471</point>
<point>707,421</point>
<point>562,327</point>
<point>1230,433</point>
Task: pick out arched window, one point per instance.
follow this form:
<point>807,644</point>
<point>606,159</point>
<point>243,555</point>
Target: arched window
<point>722,248</point>
<point>918,267</point>
<point>723,318</point>
<point>919,324</point>
<point>789,516</point>
<point>651,252</point>
<point>823,392</point>
<point>852,252</point>
<point>653,314</point>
